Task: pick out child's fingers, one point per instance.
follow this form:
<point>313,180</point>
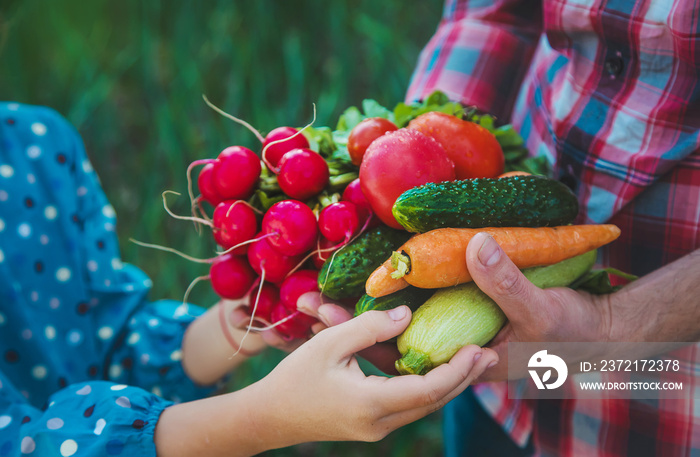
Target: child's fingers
<point>350,337</point>
<point>426,394</point>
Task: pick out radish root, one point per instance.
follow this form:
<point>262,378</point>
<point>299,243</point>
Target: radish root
<point>234,118</point>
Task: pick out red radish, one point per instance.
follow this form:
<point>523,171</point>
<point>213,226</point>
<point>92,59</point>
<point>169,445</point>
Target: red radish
<point>297,325</point>
<point>353,193</point>
<point>339,221</point>
<point>303,173</point>
<point>297,284</point>
<point>268,299</point>
<point>231,276</point>
<point>262,256</point>
<point>284,141</point>
<point>324,252</point>
<point>398,161</point>
<point>234,223</point>
<point>206,185</point>
<point>364,133</point>
<point>236,172</point>
<point>292,226</point>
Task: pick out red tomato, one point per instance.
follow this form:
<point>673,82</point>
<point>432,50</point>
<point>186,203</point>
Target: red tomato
<point>362,135</point>
<point>398,161</point>
<point>474,150</point>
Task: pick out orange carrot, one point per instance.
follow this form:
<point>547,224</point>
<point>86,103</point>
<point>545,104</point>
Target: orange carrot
<point>381,280</point>
<point>437,258</point>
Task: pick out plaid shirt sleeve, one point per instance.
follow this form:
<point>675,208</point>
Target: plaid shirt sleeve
<point>479,53</point>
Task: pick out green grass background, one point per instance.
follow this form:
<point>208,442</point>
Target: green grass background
<point>130,75</point>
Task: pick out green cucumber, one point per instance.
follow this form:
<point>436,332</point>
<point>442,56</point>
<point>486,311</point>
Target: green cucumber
<point>410,296</point>
<point>344,274</point>
<point>457,316</point>
<point>516,201</point>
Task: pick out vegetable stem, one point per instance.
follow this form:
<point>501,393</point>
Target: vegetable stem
<point>400,262</point>
<point>414,362</point>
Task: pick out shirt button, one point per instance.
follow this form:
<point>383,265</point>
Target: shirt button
<point>614,66</point>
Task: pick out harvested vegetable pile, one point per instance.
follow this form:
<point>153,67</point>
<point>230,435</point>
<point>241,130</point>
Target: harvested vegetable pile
<point>335,210</point>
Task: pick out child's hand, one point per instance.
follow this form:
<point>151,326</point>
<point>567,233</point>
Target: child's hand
<point>319,392</point>
<point>329,313</point>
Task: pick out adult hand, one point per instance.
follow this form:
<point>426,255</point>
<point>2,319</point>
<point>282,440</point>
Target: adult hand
<point>534,314</point>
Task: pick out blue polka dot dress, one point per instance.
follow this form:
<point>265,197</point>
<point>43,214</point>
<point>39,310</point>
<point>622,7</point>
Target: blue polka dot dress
<point>86,363</point>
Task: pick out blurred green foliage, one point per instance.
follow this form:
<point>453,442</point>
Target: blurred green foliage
<point>130,76</point>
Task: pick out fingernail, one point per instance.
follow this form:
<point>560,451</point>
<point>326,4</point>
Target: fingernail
<point>306,303</point>
<point>490,252</point>
<point>492,364</point>
<point>397,314</point>
<point>477,356</point>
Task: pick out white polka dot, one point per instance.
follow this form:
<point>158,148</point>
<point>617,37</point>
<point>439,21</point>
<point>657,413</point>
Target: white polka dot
<point>28,445</point>
<point>92,265</point>
<point>2,256</point>
<point>24,230</point>
<point>3,196</point>
<point>81,191</point>
<point>44,239</point>
<point>108,211</point>
<point>34,296</point>
<point>68,448</point>
<point>50,212</point>
<point>109,227</point>
<point>27,334</point>
<point>117,264</point>
<point>129,287</point>
<point>31,179</point>
<point>176,355</point>
<point>2,318</point>
<point>2,225</point>
<point>5,421</point>
<point>63,274</point>
<point>54,303</point>
<point>99,426</point>
<point>123,402</point>
<point>153,322</point>
<point>157,391</point>
<point>50,332</point>
<point>54,423</point>
<point>74,337</point>
<point>133,338</point>
<point>145,358</point>
<point>13,106</point>
<point>85,390</point>
<point>148,283</point>
<point>118,387</point>
<point>39,372</point>
<point>39,129</point>
<point>6,171</point>
<point>33,151</point>
<point>105,333</point>
<point>115,371</point>
<point>108,283</point>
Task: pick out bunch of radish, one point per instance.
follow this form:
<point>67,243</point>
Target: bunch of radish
<point>270,256</point>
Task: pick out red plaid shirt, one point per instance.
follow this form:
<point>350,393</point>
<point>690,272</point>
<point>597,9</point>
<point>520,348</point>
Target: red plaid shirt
<point>609,92</point>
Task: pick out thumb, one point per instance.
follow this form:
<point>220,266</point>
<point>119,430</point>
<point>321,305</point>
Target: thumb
<point>365,330</point>
<point>498,277</point>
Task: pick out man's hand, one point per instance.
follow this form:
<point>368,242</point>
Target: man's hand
<point>534,314</point>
